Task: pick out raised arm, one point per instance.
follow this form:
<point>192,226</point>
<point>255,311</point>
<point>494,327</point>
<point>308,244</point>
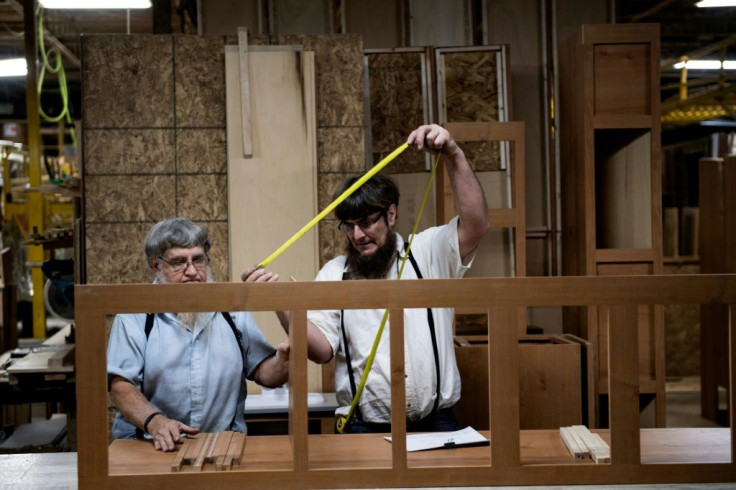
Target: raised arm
<point>470,201</point>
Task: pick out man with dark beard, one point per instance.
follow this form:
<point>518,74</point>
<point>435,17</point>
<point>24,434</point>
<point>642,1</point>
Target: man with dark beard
<point>374,251</point>
<point>178,373</point>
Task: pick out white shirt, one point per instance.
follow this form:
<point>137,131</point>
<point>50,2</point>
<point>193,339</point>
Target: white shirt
<point>437,253</point>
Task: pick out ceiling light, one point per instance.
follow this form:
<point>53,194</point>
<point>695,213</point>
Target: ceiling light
<point>716,3</point>
<point>705,65</point>
<point>96,4</point>
<point>15,67</point>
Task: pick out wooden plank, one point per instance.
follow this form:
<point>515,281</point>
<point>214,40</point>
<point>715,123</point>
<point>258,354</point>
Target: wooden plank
<point>220,451</point>
<point>64,356</point>
<point>245,92</point>
<point>204,451</point>
<point>181,454</point>
<point>282,78</point>
<point>398,390</point>
<point>573,443</point>
<point>504,386</point>
<point>599,450</point>
<point>298,411</point>
<point>235,451</point>
<point>196,447</point>
<point>623,361</point>
<point>461,293</point>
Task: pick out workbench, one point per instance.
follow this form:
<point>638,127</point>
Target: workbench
<point>356,451</point>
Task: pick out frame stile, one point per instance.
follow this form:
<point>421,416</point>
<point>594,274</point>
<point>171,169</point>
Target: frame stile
<point>732,377</point>
<point>623,378</point>
<point>298,426</point>
<point>398,390</point>
<point>91,356</point>
<point>504,386</point>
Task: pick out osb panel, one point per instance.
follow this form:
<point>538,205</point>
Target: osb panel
<point>338,59</point>
<point>115,253</point>
<point>340,150</point>
<point>126,151</point>
<point>339,109</point>
<point>129,198</point>
<point>128,81</point>
<point>200,81</point>
<point>218,253</point>
<point>331,241</point>
<point>201,150</point>
<point>202,197</point>
<point>396,106</point>
<point>471,94</point>
<point>682,332</point>
<point>326,187</point>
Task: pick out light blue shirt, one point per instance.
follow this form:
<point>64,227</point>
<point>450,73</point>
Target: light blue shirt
<point>193,375</point>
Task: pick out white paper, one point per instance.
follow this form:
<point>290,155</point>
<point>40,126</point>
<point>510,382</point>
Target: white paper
<point>434,440</point>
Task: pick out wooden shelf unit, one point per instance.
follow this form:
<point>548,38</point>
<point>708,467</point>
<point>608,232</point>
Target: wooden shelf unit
<point>611,185</point>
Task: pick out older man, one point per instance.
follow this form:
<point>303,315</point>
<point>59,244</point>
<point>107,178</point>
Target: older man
<point>178,373</point>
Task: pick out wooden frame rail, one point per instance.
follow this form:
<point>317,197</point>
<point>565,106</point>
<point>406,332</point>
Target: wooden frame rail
<point>507,462</point>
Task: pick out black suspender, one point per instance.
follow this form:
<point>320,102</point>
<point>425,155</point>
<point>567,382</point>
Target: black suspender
<point>430,321</point>
<point>238,337</point>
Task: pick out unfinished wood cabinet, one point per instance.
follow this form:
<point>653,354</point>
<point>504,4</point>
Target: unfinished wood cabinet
<point>717,237</point>
<point>611,187</point>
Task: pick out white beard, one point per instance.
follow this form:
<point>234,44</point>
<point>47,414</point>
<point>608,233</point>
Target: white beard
<point>189,318</point>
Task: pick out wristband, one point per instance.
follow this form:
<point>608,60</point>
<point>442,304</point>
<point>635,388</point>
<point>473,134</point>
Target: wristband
<point>148,420</point>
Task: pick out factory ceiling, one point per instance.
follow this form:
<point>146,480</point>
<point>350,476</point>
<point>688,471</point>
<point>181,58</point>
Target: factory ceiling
<point>686,30</point>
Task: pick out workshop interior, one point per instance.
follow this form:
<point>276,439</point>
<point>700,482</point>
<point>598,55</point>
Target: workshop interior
<point>602,132</point>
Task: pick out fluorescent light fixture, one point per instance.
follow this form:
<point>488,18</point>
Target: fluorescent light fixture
<point>96,4</point>
<point>705,65</point>
<point>716,3</point>
<point>15,67</point>
<point>719,122</point>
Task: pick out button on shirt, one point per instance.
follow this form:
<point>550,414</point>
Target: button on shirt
<point>437,253</point>
<point>194,375</point>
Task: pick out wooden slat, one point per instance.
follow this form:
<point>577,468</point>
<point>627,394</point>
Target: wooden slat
<point>235,450</point>
<point>204,451</point>
<point>298,423</point>
<point>618,255</point>
<point>245,92</point>
<point>623,372</point>
<point>62,357</point>
<point>181,454</point>
<point>220,452</point>
<point>398,390</point>
<point>577,448</point>
<point>468,293</point>
<point>599,450</point>
<point>732,377</point>
<point>196,443</point>
<point>504,387</point>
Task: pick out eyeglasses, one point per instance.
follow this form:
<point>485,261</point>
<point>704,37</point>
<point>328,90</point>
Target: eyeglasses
<point>365,224</point>
<point>180,264</point>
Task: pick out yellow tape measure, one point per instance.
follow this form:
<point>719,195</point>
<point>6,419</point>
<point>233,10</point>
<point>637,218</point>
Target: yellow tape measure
<point>333,205</point>
<point>342,424</point>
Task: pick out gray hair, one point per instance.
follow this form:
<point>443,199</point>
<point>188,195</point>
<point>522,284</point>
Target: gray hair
<point>174,232</point>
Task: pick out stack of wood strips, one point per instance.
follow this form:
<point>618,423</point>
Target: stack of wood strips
<point>584,444</point>
<point>223,449</point>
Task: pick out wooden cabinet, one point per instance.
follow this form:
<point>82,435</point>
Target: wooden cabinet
<point>611,187</point>
<point>717,237</point>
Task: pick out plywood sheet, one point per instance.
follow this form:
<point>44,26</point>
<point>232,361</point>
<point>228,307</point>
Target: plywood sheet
<point>273,194</point>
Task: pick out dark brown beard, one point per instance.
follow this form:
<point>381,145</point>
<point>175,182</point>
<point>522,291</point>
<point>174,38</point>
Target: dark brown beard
<point>374,266</point>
